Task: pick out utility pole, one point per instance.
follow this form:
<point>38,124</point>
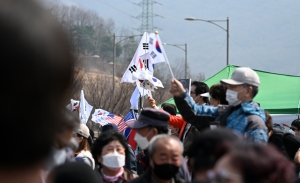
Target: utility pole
<point>213,22</point>
<point>114,57</point>
<point>227,63</point>
<point>185,50</point>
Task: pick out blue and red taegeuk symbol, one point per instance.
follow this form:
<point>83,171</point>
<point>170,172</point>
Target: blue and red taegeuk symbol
<point>157,47</point>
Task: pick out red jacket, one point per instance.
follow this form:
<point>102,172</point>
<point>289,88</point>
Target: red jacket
<point>178,122</point>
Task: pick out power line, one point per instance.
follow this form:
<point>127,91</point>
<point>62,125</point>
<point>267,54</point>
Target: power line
<point>117,9</point>
<point>215,54</point>
<point>121,12</point>
<point>247,52</point>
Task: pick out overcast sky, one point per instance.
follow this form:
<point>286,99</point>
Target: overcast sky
<point>264,35</point>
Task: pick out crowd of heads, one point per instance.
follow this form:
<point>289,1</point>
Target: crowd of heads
<point>37,78</point>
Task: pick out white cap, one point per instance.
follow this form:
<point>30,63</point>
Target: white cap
<point>243,75</point>
<point>83,130</point>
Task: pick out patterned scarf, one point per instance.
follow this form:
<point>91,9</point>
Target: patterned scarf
<point>112,178</point>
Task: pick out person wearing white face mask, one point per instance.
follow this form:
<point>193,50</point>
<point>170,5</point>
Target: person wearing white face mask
<point>243,115</point>
<point>150,123</point>
<point>109,151</point>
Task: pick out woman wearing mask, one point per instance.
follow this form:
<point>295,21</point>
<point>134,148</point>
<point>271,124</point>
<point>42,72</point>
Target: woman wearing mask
<point>109,151</point>
<point>83,152</point>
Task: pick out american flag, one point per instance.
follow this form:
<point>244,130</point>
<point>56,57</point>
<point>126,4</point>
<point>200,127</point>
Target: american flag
<point>115,119</point>
<point>119,121</point>
<point>128,118</point>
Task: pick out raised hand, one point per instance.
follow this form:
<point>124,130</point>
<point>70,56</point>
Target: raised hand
<point>176,88</point>
<point>152,103</point>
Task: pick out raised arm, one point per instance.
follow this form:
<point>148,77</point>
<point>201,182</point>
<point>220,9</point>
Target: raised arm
<point>176,121</point>
<point>178,91</point>
<point>200,122</point>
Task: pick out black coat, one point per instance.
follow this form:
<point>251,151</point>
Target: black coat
<point>146,178</point>
<point>199,122</point>
<point>130,162</point>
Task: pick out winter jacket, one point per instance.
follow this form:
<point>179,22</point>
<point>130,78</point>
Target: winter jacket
<point>86,157</point>
<point>201,123</point>
<point>187,132</point>
<point>247,119</point>
<point>130,162</point>
<point>147,178</point>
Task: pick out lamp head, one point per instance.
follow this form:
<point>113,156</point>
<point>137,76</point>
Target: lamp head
<point>190,18</point>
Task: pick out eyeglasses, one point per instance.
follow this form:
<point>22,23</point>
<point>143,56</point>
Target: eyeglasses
<point>193,92</point>
<point>293,128</point>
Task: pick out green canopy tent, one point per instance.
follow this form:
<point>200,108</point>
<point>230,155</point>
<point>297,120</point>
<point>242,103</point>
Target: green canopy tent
<point>278,93</point>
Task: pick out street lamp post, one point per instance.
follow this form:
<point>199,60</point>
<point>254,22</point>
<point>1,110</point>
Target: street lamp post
<point>114,54</point>
<point>213,22</point>
<point>185,50</point>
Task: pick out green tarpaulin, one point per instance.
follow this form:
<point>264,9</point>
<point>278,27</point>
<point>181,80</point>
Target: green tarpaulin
<point>278,93</point>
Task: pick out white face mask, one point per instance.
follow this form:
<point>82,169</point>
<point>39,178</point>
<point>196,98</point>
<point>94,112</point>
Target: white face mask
<point>232,97</point>
<point>141,141</point>
<point>113,160</point>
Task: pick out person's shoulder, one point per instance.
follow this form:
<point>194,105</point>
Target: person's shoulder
<point>255,122</point>
<point>85,153</point>
<point>128,175</point>
<point>140,179</point>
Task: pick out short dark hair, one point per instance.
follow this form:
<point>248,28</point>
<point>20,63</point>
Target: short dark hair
<point>38,75</point>
<point>218,92</point>
<point>201,87</point>
<point>170,108</point>
<point>160,129</point>
<point>104,139</point>
<point>296,123</point>
<point>254,90</point>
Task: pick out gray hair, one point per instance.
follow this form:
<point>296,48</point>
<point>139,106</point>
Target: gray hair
<point>254,90</point>
<point>155,139</point>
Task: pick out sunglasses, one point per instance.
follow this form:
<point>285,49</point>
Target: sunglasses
<point>293,128</point>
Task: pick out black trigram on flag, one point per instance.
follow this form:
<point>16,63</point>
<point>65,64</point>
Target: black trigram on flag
<point>132,68</point>
<point>145,46</point>
<point>152,54</point>
<point>151,41</point>
<point>146,63</point>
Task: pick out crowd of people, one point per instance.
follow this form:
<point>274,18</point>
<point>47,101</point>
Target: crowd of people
<point>221,135</point>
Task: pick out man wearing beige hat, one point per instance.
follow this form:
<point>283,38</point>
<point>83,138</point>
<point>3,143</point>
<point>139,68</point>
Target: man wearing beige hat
<point>243,115</point>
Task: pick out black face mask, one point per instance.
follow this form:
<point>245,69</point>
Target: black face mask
<point>165,171</point>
